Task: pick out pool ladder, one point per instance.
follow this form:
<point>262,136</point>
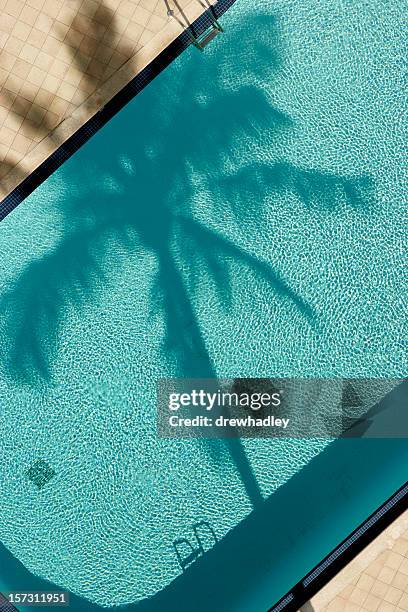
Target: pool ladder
<point>186,552</point>
<point>209,34</point>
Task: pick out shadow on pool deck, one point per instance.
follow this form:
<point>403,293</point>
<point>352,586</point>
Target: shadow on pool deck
<point>303,520</point>
<point>88,54</point>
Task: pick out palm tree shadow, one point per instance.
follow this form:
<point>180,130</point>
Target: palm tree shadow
<point>315,189</point>
<point>124,214</point>
<point>151,207</point>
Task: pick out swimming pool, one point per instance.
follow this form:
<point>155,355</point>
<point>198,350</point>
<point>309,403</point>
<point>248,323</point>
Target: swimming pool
<point>243,216</point>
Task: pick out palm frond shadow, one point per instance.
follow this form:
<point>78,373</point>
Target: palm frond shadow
<point>34,306</point>
<point>206,238</point>
<point>151,206</point>
<point>316,189</point>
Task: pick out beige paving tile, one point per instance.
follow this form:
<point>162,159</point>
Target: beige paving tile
<point>3,39</point>
<point>29,53</point>
<point>358,596</point>
<point>51,83</point>
<point>374,569</point>
<point>13,83</point>
<point>377,580</point>
<point>155,23</point>
<point>36,76</point>
<point>386,607</point>
<point>22,68</point>
<point>44,23</point>
<point>21,143</point>
<point>394,560</point>
<point>7,61</point>
<point>52,7</point>
<point>66,91</point>
<point>43,98</point>
<point>38,4</point>
<point>404,566</point>
<point>393,595</point>
<point>3,76</point>
<point>21,30</point>
<point>7,98</point>
<point>37,38</point>
<point>379,589</point>
<point>126,9</point>
<point>351,607</point>
<point>7,136</point>
<point>400,581</point>
<point>14,7</point>
<point>29,15</point>
<point>371,603</point>
<point>3,151</point>
<point>13,121</point>
<point>365,582</point>
<point>347,591</point>
<point>13,45</point>
<point>337,605</point>
<point>36,115</point>
<point>7,23</point>
<point>141,15</point>
<point>401,547</point>
<point>386,574</point>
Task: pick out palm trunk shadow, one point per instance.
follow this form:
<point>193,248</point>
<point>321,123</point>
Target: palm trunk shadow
<point>194,361</point>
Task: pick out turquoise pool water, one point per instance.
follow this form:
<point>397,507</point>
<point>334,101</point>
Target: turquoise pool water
<point>243,216</point>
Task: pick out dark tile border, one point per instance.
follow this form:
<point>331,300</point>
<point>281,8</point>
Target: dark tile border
<point>125,95</point>
<point>320,575</point>
<point>5,605</point>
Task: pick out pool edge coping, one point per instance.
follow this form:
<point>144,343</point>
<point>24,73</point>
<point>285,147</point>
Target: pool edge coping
<point>358,566</point>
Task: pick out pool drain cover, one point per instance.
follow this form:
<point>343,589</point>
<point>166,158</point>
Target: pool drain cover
<point>40,473</point>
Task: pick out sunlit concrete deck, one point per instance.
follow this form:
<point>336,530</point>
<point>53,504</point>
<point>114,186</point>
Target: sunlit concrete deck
<point>375,581</point>
<point>62,60</point>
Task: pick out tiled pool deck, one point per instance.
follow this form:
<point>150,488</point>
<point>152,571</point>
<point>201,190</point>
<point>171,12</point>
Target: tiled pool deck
<point>62,60</point>
<point>376,580</point>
